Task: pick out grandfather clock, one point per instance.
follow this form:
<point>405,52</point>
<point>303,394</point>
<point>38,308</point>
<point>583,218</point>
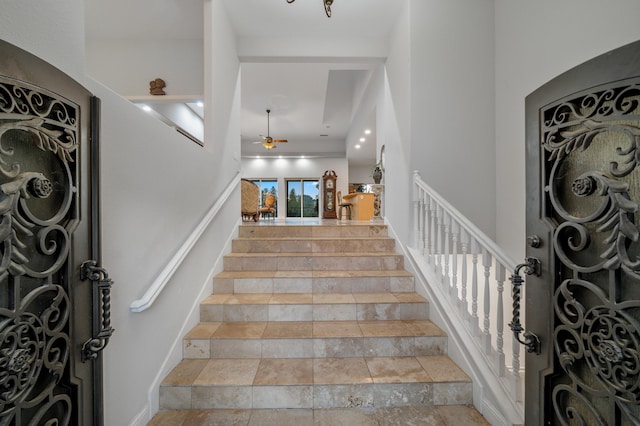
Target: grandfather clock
<point>329,190</point>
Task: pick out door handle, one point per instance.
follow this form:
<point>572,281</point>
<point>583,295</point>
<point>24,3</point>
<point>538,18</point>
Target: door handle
<point>102,329</point>
<point>528,339</point>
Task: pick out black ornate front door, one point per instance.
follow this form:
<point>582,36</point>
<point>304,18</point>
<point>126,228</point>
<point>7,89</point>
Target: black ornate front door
<point>50,372</point>
<point>583,202</point>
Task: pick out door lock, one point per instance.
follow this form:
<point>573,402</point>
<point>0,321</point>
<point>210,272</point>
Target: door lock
<point>534,241</point>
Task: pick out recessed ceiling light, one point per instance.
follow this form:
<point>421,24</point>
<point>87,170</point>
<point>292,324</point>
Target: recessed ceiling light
<point>200,104</point>
<point>367,132</point>
<point>357,146</point>
<point>362,139</point>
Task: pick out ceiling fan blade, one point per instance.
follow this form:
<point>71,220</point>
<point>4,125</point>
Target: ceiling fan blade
<point>280,140</point>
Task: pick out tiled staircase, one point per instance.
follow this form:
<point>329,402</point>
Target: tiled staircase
<point>314,317</point>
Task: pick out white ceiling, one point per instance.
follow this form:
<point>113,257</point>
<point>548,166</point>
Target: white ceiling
<point>312,102</point>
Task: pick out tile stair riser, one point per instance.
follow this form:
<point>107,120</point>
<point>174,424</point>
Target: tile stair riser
<point>247,231</point>
<point>315,396</point>
<point>399,284</point>
<point>317,312</point>
<point>288,262</point>
<point>254,245</point>
<point>330,347</point>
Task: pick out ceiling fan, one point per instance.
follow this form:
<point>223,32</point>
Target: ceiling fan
<point>267,141</point>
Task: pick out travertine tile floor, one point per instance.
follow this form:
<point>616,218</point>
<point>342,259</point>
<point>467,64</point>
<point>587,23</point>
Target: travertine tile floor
<point>321,365</point>
<point>298,371</point>
<point>452,415</point>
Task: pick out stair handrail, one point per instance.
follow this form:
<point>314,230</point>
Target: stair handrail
<point>161,281</point>
<point>447,248</point>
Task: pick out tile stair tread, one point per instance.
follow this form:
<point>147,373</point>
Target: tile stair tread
<point>331,233</point>
<point>314,329</point>
<point>314,228</point>
<point>325,224</point>
<point>445,415</point>
<point>311,298</point>
<point>315,371</point>
<point>315,274</point>
<point>314,253</point>
<point>315,238</point>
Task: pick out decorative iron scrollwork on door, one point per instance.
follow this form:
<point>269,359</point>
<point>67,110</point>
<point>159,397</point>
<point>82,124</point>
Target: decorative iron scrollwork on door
<point>38,213</point>
<point>592,145</point>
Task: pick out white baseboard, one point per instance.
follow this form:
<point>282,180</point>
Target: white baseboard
<point>142,418</point>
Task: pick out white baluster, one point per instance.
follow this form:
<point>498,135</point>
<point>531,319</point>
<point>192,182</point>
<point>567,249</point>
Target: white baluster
<point>445,278</point>
<point>416,210</point>
<point>474,287</point>
<point>439,241</point>
<point>464,245</point>
<point>432,235</point>
<point>425,226</point>
<point>454,267</point>
<point>500,277</point>
<point>418,218</point>
<point>515,369</point>
<point>486,263</point>
<point>417,230</point>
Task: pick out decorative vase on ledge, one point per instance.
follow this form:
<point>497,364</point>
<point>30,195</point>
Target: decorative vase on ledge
<point>377,175</point>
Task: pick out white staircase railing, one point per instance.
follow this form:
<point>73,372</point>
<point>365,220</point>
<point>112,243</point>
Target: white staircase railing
<point>467,271</point>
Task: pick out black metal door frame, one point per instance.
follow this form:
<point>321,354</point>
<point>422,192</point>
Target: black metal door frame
<point>554,359</point>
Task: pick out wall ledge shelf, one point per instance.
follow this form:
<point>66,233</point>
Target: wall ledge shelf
<point>184,113</point>
<point>165,98</point>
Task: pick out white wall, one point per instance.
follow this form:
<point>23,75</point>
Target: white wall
<point>536,41</point>
<point>63,46</point>
<point>296,168</point>
<point>394,121</point>
<point>452,100</point>
<point>149,175</point>
<point>436,114</point>
<point>128,65</point>
<point>360,174</point>
<point>457,76</point>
